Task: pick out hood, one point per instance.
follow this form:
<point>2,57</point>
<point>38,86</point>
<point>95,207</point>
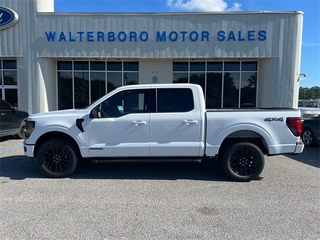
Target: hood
<point>60,113</point>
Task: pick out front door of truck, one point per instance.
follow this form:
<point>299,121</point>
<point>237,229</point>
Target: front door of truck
<point>175,128</point>
<point>122,128</point>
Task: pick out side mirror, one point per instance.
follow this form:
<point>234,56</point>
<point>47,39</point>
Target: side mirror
<point>95,113</point>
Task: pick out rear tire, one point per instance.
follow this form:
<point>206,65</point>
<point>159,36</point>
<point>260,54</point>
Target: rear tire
<point>243,161</point>
<point>57,158</point>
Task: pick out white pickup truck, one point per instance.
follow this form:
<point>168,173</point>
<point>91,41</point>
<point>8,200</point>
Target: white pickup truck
<point>161,122</point>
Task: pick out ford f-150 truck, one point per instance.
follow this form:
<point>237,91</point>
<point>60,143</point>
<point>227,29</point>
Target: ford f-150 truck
<point>161,122</point>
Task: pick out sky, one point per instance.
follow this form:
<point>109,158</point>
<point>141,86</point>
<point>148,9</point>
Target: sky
<point>310,59</point>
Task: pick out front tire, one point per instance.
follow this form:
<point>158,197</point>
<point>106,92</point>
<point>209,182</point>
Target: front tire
<point>57,158</point>
<point>243,161</point>
<point>308,137</point>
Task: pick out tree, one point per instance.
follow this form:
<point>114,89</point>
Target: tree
<point>316,90</point>
<point>309,93</point>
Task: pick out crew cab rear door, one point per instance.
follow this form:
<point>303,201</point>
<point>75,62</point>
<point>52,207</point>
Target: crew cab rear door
<point>175,128</point>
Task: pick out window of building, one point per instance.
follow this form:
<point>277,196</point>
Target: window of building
<point>225,84</point>
<point>9,81</point>
<point>130,73</point>
<point>82,82</point>
<point>248,84</point>
<point>180,72</point>
<point>197,74</point>
<point>231,78</point>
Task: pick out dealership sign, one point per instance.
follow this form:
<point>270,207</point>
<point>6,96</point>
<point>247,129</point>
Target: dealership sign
<point>8,17</point>
<point>159,36</point>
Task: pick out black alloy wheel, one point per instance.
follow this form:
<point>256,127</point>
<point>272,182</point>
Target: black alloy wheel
<point>243,161</point>
<point>57,158</point>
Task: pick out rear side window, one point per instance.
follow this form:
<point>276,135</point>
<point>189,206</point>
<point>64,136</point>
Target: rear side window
<point>175,100</point>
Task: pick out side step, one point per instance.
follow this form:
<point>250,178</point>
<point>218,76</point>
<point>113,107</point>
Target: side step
<point>130,160</point>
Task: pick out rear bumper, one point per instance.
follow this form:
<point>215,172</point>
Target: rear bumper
<point>299,147</point>
<point>294,148</point>
<point>28,150</point>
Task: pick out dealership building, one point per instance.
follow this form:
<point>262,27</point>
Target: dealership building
<point>52,60</point>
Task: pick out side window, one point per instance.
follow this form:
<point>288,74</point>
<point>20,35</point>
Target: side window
<point>125,102</point>
<point>175,100</point>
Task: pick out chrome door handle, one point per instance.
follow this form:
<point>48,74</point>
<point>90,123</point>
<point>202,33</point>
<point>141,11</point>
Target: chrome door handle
<point>3,114</point>
<point>187,122</point>
<point>136,123</point>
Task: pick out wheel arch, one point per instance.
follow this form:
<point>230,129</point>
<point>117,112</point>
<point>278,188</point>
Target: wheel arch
<point>244,136</point>
<point>50,135</point>
<point>307,128</point>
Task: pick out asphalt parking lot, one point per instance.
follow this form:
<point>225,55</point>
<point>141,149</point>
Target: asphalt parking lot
<point>159,200</point>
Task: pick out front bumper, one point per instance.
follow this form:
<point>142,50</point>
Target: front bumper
<point>28,150</point>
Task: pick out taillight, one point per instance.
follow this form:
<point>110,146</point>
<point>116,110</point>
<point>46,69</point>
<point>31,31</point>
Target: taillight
<point>295,125</point>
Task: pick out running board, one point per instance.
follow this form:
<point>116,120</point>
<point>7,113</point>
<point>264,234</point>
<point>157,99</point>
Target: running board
<point>130,160</point>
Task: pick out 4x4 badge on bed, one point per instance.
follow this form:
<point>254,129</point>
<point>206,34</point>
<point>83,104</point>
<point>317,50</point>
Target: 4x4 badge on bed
<point>273,119</point>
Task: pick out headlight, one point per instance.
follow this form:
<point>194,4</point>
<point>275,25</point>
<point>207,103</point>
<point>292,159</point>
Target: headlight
<point>30,127</point>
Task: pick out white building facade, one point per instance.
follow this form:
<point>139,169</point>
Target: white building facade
<point>51,61</point>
